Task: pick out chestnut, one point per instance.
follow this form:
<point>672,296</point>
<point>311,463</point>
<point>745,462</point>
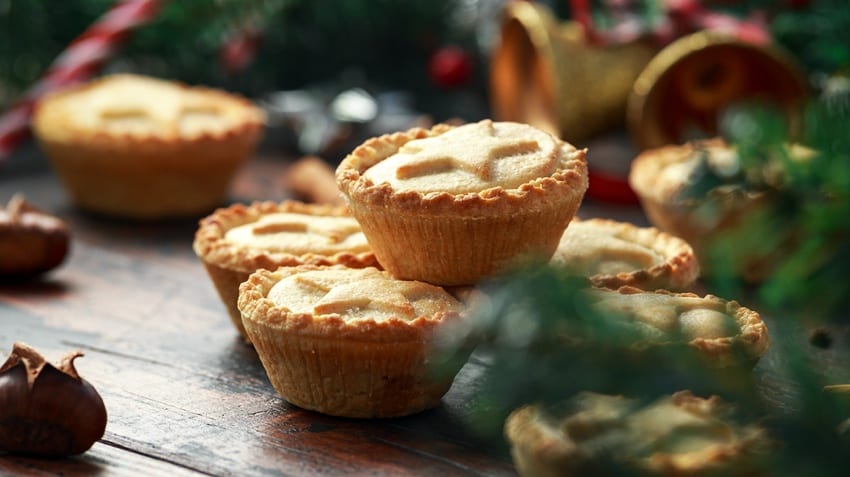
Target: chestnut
<point>31,241</point>
<point>46,410</point>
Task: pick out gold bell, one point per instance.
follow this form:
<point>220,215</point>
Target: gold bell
<point>549,75</point>
<point>687,86</point>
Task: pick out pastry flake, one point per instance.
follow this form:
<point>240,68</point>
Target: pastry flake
<point>468,159</point>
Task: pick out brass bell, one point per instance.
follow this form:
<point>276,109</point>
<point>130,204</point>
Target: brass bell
<point>683,91</point>
<point>548,74</point>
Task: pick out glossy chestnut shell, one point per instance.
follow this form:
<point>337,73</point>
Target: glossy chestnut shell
<point>47,410</point>
<point>32,242</point>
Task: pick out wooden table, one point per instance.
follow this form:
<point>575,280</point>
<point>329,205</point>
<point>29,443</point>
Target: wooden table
<point>185,395</point>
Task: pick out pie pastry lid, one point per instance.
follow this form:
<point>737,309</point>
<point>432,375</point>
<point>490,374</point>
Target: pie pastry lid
<point>227,280</point>
<point>229,265</point>
<point>722,333</point>
<point>212,245</point>
<point>613,254</point>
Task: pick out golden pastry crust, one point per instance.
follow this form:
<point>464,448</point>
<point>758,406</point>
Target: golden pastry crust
<point>229,262</point>
<point>614,254</point>
<point>661,173</point>
<point>682,435</point>
<point>139,147</point>
<point>659,176</point>
<point>722,331</point>
<point>347,342</point>
<point>460,238</point>
<point>212,245</point>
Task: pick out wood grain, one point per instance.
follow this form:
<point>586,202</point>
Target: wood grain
<point>187,396</point>
<point>184,394</point>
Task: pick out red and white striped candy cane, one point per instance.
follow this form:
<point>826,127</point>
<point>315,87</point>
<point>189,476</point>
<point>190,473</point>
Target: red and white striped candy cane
<point>79,61</point>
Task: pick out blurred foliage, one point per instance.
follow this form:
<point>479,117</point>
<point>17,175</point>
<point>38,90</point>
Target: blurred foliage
<point>541,341</point>
<point>547,341</point>
<point>807,223</point>
<point>816,31</point>
<point>34,32</point>
<point>297,41</point>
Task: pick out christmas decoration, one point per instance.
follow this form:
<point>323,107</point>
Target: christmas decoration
<point>239,50</point>
<point>528,321</point>
<point>450,67</point>
<point>257,47</point>
<point>675,65</point>
<point>557,77</point>
<point>810,203</point>
<point>551,74</point>
<point>684,89</point>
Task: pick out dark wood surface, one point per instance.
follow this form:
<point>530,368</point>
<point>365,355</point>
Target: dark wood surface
<point>185,395</point>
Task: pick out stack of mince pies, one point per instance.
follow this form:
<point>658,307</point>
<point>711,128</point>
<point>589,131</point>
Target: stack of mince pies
<point>343,303</point>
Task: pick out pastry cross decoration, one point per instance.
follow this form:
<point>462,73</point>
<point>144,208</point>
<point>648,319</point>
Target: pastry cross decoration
<point>440,153</point>
<point>335,234</point>
<point>376,293</point>
<point>362,291</point>
<point>166,116</point>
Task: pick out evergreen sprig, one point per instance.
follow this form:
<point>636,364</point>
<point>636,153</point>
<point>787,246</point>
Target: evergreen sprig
<point>542,341</point>
<point>807,176</point>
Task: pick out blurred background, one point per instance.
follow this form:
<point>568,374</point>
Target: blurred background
<point>255,47</point>
<point>617,76</point>
<point>405,62</point>
<point>396,60</point>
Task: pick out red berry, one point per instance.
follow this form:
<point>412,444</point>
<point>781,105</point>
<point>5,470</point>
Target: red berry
<point>450,67</point>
